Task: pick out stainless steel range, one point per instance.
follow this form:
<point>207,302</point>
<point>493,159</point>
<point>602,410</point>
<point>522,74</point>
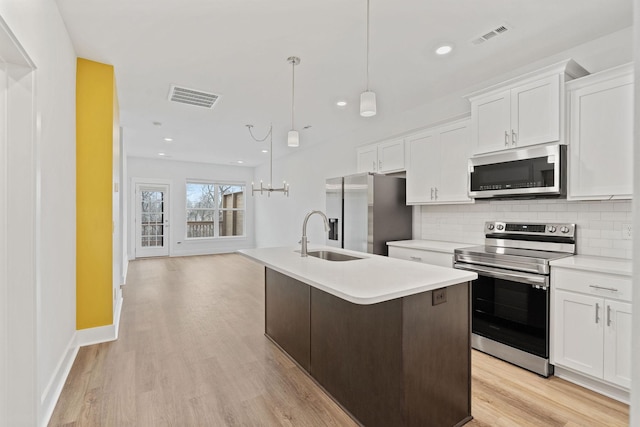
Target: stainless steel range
<point>510,298</point>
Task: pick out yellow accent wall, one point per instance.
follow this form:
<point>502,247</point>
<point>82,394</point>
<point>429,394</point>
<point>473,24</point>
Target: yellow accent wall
<point>96,117</point>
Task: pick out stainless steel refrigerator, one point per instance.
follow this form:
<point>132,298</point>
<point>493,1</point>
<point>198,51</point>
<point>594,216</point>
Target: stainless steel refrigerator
<point>366,211</point>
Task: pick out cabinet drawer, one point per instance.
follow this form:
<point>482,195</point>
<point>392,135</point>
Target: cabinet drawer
<point>592,283</point>
<point>418,255</point>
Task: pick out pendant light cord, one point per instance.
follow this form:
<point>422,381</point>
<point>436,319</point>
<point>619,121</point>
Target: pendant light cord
<point>367,45</point>
<point>293,89</point>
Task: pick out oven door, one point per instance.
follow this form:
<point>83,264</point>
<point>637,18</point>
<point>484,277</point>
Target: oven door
<point>511,307</point>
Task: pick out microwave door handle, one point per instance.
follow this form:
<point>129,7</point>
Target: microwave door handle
<point>530,279</point>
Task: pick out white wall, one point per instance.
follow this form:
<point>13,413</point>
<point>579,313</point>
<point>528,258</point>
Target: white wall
<point>38,27</point>
<point>279,222</point>
<point>635,345</point>
<point>176,174</point>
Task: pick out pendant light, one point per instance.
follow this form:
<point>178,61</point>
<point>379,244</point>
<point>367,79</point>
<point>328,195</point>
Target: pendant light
<point>368,98</point>
<point>269,188</point>
<point>293,137</point>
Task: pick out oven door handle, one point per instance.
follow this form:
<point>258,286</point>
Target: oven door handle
<point>498,273</point>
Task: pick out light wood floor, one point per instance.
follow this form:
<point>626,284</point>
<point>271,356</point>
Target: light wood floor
<point>191,352</point>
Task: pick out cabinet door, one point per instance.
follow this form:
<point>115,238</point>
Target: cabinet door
<point>423,169</point>
<point>391,156</point>
<point>578,332</point>
<point>368,159</point>
<point>535,112</point>
<point>455,143</point>
<point>617,343</point>
<point>601,140</point>
<point>491,124</point>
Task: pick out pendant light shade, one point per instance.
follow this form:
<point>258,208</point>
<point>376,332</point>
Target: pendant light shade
<point>368,98</point>
<point>368,104</point>
<point>293,138</point>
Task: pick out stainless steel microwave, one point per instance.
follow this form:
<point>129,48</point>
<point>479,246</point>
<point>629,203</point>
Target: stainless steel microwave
<point>526,173</point>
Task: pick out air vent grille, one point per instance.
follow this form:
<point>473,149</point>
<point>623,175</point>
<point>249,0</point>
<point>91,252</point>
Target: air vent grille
<point>501,29</point>
<point>194,97</point>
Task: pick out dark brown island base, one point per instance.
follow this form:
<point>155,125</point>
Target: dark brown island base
<point>405,361</point>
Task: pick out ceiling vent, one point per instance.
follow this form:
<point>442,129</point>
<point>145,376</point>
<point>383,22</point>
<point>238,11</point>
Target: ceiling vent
<point>501,29</point>
<point>192,97</point>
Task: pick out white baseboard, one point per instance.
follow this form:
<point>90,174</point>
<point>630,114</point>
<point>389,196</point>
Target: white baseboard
<point>592,384</point>
<point>81,338</point>
<point>52,391</point>
<point>101,334</point>
<point>125,270</point>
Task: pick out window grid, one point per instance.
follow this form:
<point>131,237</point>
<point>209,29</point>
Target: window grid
<point>214,210</point>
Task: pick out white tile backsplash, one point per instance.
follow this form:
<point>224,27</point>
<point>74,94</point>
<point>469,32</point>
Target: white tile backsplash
<point>599,223</point>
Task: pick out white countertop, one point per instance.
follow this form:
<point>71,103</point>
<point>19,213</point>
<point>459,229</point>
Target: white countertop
<point>596,264</point>
<point>430,245</point>
<point>369,280</point>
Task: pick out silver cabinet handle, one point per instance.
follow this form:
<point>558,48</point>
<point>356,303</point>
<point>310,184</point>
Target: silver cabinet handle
<point>608,315</point>
<point>431,193</point>
<point>415,258</point>
<point>506,138</point>
<point>597,310</point>
<point>379,165</point>
<point>602,288</point>
<point>514,137</point>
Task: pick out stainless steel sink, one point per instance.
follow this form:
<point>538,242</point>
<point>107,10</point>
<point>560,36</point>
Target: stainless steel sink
<point>332,256</point>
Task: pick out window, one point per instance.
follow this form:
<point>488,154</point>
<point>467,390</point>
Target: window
<point>215,210</point>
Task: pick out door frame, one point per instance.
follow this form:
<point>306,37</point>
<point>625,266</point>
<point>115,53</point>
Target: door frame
<point>133,211</point>
<point>19,235</point>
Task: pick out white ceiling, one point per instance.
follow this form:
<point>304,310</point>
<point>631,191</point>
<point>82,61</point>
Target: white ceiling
<point>238,49</point>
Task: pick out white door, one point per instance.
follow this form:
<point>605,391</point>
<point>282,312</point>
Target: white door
<point>152,220</point>
<point>368,159</point>
<point>491,118</point>
<point>455,142</point>
<point>535,112</point>
<point>617,343</point>
<point>391,156</point>
<point>423,168</point>
<point>578,332</point>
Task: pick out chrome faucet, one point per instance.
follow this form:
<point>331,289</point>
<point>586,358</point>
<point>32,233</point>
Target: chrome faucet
<point>303,249</point>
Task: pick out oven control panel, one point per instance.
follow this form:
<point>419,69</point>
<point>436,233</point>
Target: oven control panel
<point>530,229</point>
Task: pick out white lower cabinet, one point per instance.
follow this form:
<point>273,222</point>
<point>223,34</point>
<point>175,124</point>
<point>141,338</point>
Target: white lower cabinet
<point>592,325</point>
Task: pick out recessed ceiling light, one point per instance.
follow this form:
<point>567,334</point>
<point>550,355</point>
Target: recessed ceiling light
<point>341,103</point>
<point>161,154</point>
<point>240,161</point>
<point>168,139</point>
<point>265,151</point>
<point>444,49</point>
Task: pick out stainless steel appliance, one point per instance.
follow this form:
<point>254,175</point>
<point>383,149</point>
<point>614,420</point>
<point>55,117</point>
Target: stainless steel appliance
<point>366,211</point>
<point>528,172</point>
<point>510,298</point>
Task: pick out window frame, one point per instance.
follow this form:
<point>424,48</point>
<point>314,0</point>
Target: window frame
<point>217,210</point>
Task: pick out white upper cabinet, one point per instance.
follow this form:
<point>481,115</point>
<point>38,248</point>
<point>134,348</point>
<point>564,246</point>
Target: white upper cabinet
<point>368,159</point>
<point>524,111</point>
<point>437,165</point>
<point>385,157</point>
<point>601,135</point>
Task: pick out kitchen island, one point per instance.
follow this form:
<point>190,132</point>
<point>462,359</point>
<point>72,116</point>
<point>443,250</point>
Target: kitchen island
<point>388,339</point>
